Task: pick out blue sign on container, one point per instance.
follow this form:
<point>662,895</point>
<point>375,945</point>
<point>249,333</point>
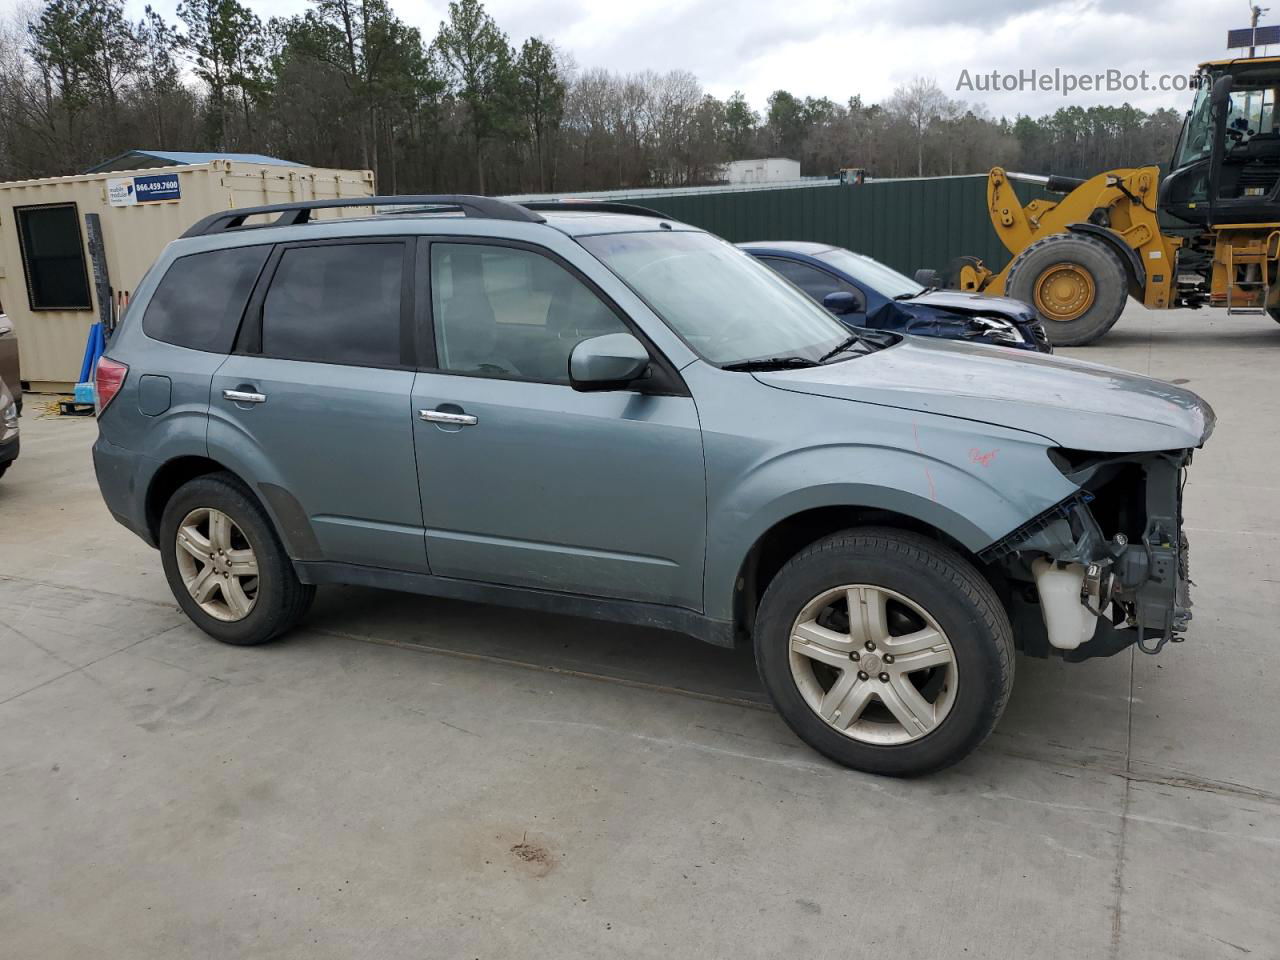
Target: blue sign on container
<point>162,186</point>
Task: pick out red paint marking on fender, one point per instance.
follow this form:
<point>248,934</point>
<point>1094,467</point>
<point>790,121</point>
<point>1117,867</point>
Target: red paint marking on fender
<point>933,493</point>
<point>983,459</point>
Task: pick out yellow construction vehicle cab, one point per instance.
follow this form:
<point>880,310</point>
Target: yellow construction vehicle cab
<point>1076,259</point>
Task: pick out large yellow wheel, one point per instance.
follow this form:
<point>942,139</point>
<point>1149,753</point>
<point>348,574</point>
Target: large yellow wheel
<point>1064,292</point>
<point>1076,283</point>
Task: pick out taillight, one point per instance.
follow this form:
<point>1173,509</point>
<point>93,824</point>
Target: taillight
<point>107,381</point>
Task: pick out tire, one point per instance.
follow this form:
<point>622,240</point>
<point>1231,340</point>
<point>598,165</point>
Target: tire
<point>1082,260</point>
<point>1274,313</point>
<point>279,599</point>
<point>4,468</point>
<point>957,602</point>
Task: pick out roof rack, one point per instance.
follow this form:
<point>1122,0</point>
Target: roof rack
<point>292,214</point>
<point>593,206</point>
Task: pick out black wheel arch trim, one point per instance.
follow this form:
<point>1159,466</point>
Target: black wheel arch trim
<point>1133,264</point>
<point>282,509</point>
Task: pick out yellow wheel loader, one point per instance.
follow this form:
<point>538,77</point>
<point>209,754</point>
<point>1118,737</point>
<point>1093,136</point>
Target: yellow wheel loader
<point>1076,259</point>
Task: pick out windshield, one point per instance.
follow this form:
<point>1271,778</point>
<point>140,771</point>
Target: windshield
<point>1197,130</point>
<point>721,301</point>
<point>871,273</point>
<point>1250,113</point>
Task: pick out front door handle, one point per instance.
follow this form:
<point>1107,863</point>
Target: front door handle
<point>443,416</point>
<point>244,396</point>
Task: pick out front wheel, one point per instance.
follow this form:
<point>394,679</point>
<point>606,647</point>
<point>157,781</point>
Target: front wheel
<point>1076,283</point>
<point>886,651</point>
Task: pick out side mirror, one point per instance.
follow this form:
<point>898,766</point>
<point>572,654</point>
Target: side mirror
<point>611,362</point>
<point>1221,91</point>
<point>1220,106</point>
<point>843,302</point>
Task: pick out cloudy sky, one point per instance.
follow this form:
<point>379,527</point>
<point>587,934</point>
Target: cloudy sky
<point>837,49</point>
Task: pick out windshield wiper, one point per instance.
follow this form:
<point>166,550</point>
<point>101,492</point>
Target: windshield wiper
<point>770,363</point>
<point>851,341</point>
<point>918,293</point>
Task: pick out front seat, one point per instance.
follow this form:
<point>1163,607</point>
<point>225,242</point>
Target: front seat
<point>468,329</point>
<point>574,314</point>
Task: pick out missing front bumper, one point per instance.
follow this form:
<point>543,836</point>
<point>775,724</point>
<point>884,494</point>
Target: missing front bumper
<point>1080,592</point>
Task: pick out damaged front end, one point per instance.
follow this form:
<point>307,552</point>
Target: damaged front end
<point>1105,568</point>
<point>953,323</point>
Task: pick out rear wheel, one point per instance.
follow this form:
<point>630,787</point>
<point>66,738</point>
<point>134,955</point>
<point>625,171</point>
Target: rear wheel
<point>1076,283</point>
<point>226,566</point>
<point>886,651</point>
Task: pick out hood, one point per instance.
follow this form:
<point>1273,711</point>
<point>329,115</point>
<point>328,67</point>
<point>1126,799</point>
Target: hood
<point>1074,404</point>
<point>976,303</point>
<point>929,320</point>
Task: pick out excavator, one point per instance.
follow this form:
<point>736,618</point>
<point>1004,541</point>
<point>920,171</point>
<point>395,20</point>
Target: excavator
<point>1207,234</point>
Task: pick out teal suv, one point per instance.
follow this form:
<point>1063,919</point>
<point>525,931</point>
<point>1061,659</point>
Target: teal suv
<point>596,410</point>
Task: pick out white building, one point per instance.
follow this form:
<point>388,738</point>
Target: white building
<point>767,170</point>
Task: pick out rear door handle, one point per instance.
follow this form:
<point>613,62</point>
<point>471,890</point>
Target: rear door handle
<point>244,396</point>
<point>442,416</point>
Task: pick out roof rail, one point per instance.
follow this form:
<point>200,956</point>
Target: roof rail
<point>593,206</point>
<point>292,214</point>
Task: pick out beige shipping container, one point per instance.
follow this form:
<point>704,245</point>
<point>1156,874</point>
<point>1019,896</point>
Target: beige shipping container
<point>47,282</point>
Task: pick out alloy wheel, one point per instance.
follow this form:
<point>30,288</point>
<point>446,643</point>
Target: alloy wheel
<point>218,566</point>
<point>873,664</point>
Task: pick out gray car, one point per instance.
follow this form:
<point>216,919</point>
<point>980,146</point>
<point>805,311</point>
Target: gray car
<point>610,414</point>
<point>10,394</point>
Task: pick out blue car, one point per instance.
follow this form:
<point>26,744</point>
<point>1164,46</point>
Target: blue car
<point>865,293</point>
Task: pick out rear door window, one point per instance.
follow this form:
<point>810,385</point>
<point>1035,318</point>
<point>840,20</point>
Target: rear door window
<point>200,299</point>
<point>336,303</point>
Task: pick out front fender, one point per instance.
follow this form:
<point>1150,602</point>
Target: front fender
<point>1129,257</point>
<point>975,484</point>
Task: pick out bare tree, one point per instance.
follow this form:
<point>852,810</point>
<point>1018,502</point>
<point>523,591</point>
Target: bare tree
<point>919,103</point>
<point>348,84</point>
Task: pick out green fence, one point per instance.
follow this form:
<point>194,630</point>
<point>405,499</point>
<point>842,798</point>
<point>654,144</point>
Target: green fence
<point>907,224</point>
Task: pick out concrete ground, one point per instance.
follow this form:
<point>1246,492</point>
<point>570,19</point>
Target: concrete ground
<point>406,777</point>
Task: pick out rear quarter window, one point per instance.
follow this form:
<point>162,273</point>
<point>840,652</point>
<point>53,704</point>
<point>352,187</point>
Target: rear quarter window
<point>200,299</point>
